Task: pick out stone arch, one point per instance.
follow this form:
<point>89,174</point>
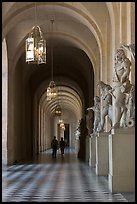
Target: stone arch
<point>79,14</point>
<point>43,111</point>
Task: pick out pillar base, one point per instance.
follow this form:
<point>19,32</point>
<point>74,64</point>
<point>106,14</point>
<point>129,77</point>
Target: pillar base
<point>122,161</point>
<point>102,154</point>
<point>121,183</point>
<point>92,153</point>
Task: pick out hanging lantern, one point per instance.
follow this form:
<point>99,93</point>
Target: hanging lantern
<point>51,91</point>
<point>58,110</point>
<point>36,47</point>
<point>61,124</point>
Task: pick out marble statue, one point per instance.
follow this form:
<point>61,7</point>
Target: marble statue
<point>106,95</point>
<point>97,116</point>
<point>128,117</point>
<point>131,102</point>
<point>120,84</point>
<point>77,133</point>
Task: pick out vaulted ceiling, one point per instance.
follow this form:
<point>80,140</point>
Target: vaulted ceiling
<point>76,37</point>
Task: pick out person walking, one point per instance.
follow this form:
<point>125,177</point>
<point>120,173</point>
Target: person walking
<point>62,146</point>
<point>54,145</point>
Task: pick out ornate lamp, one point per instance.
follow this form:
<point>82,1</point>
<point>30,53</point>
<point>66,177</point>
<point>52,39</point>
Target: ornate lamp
<point>51,90</point>
<point>58,110</point>
<point>35,45</point>
<point>61,124</point>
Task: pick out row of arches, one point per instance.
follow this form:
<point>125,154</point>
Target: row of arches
<point>84,44</point>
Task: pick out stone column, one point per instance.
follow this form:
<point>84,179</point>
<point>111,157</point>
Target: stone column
<point>4,101</point>
<point>89,151</point>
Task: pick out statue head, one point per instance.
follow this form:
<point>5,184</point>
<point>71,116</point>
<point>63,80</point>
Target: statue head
<point>120,54</point>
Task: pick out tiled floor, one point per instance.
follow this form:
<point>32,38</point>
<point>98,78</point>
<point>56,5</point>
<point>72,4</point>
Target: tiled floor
<point>57,180</point>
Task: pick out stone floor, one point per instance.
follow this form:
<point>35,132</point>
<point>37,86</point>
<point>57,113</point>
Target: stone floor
<point>59,179</point>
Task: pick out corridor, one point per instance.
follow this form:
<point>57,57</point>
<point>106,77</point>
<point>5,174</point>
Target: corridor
<point>48,179</point>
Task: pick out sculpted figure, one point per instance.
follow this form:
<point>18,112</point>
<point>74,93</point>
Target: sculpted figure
<point>131,102</point>
<point>89,117</point>
<point>120,84</point>
<point>128,117</point>
<point>77,133</point>
<point>97,117</point>
<point>105,91</point>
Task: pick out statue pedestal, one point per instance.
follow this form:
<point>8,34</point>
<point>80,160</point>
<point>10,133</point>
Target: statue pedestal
<point>102,154</point>
<point>122,160</point>
<point>87,148</point>
<point>92,150</point>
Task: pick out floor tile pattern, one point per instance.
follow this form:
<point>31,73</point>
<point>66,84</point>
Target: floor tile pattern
<point>58,179</point>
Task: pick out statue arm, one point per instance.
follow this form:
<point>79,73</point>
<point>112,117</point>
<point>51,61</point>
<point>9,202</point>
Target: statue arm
<point>91,108</point>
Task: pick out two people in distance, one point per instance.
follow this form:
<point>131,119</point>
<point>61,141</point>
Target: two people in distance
<point>55,145</point>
